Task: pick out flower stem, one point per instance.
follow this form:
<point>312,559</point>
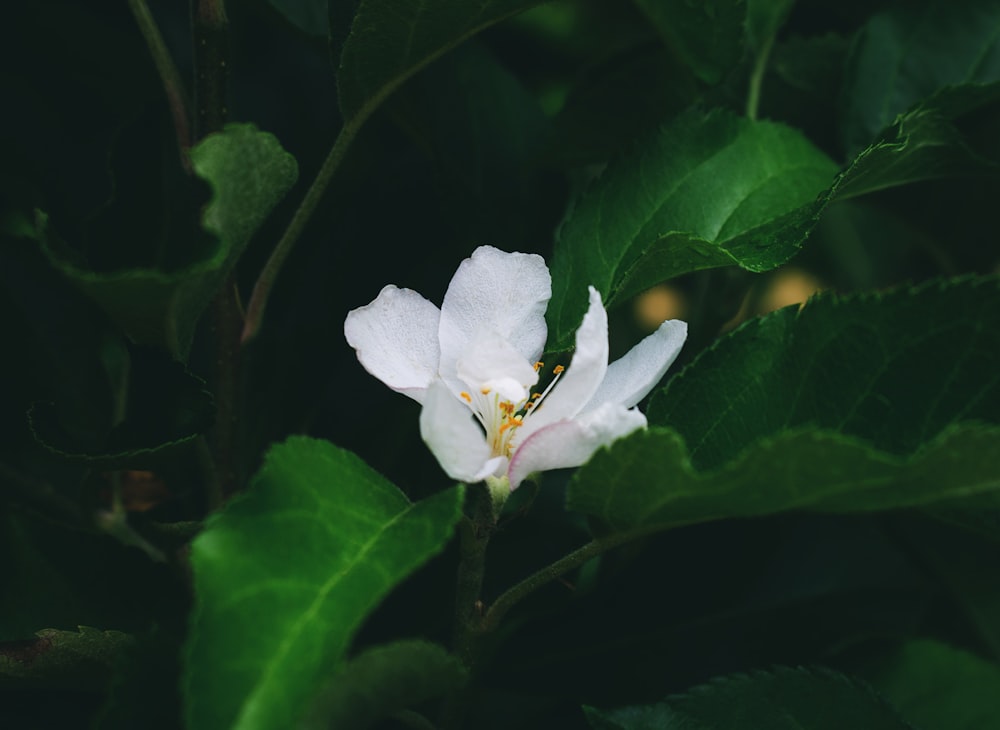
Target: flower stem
<point>529,585</point>
<point>475,533</point>
<point>757,78</point>
<point>169,76</point>
<point>265,282</point>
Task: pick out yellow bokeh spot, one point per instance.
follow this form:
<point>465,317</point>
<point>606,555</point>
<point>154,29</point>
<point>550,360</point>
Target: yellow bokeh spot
<point>658,304</point>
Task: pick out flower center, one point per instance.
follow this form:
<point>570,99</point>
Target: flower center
<point>500,417</point>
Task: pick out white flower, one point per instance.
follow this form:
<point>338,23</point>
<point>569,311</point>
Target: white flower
<point>473,366</point>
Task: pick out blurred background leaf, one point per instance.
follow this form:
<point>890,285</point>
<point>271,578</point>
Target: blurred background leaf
<point>783,698</point>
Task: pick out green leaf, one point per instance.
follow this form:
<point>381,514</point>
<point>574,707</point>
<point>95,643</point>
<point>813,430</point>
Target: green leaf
<point>711,189</point>
<point>309,16</point>
<point>383,680</point>
<point>485,134</point>
<point>815,409</point>
<point>248,172</point>
<point>707,35</point>
<point>895,368</point>
<point>57,577</point>
<point>792,699</point>
<point>391,40</point>
<point>646,483</point>
<point>923,144</point>
<point>164,409</point>
<point>966,566</point>
<point>72,659</point>
<point>938,687</point>
<point>285,575</point>
<point>145,689</point>
<point>909,53</point>
<point>624,98</point>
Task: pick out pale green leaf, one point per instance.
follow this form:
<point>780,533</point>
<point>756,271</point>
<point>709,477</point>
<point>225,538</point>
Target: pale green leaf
<point>249,172</point>
<point>285,575</point>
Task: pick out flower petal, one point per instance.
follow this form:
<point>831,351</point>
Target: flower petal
<point>448,428</point>
<point>396,339</point>
<point>495,291</point>
<point>493,363</point>
<point>583,376</point>
<point>571,442</point>
<point>633,375</point>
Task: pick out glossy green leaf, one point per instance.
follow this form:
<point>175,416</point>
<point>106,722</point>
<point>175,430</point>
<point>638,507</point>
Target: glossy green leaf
<point>783,699</point>
<point>384,680</point>
<point>646,482</point>
<point>285,575</point>
<point>939,687</point>
<point>391,40</point>
<point>911,52</point>
<point>815,409</point>
<point>248,172</point>
<point>707,35</point>
<point>80,659</point>
<point>894,369</point>
<point>710,189</point>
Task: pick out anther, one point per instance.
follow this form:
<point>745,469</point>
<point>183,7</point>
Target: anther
<point>466,397</point>
<point>484,391</point>
<point>557,369</point>
<point>539,365</point>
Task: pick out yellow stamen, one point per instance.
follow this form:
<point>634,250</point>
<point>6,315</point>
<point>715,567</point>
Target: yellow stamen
<point>557,369</point>
<point>539,365</point>
<point>466,397</point>
<point>485,391</point>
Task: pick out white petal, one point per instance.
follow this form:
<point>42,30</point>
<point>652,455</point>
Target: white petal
<point>583,376</point>
<point>571,442</point>
<point>633,375</point>
<point>495,291</point>
<point>448,428</point>
<point>396,339</point>
<point>493,363</point>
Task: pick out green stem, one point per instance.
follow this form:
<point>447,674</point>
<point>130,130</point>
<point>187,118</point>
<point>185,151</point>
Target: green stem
<point>227,321</point>
<point>265,282</point>
<point>169,76</point>
<point>210,30</point>
<point>475,534</point>
<point>210,33</point>
<point>529,585</point>
<point>757,78</point>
